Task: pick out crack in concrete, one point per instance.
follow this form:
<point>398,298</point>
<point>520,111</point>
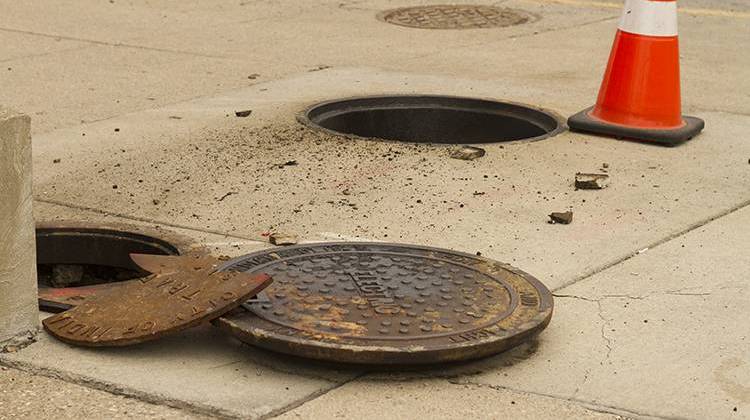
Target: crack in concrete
<point>588,405</point>
<point>110,44</point>
<point>143,219</point>
<point>588,275</point>
<point>303,401</point>
<point>120,390</point>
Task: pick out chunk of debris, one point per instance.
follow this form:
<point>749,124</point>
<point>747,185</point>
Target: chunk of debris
<point>287,163</point>
<point>320,67</point>
<point>56,160</point>
<point>282,239</point>
<point>467,153</point>
<point>591,181</point>
<point>563,218</point>
<point>253,76</point>
<point>243,114</point>
<point>226,195</point>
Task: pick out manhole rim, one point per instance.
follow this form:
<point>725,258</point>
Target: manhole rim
<point>303,117</point>
<point>355,353</point>
<point>383,15</point>
<point>169,240</point>
<point>371,355</point>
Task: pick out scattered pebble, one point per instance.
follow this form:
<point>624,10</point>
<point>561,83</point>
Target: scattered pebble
<point>467,153</point>
<point>591,181</point>
<point>56,160</point>
<point>319,68</point>
<point>253,76</point>
<point>243,114</point>
<point>562,218</point>
<point>282,239</point>
<point>287,163</point>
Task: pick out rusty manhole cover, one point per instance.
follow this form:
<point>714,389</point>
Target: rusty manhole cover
<point>455,17</point>
<point>379,303</point>
<point>182,292</point>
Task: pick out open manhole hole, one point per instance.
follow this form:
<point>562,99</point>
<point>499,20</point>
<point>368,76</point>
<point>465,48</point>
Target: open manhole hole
<point>456,17</point>
<point>74,262</point>
<point>433,119</point>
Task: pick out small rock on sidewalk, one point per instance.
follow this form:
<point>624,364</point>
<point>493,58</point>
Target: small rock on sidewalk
<point>591,181</point>
<point>467,153</point>
<point>563,218</point>
<point>282,239</point>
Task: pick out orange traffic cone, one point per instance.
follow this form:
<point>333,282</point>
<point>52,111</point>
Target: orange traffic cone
<point>640,94</point>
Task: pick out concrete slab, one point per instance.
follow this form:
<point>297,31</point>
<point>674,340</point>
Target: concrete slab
<point>662,334</point>
<point>195,167</point>
<point>437,399</point>
<point>108,80</point>
<point>201,370</point>
<point>656,192</point>
<point>27,396</point>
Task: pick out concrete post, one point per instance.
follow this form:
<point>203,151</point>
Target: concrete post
<point>19,315</point>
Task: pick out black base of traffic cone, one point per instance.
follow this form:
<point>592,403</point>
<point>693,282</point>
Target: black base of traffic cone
<point>583,122</point>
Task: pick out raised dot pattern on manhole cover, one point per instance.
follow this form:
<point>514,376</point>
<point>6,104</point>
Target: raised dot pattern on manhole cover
<point>455,17</point>
<point>381,303</point>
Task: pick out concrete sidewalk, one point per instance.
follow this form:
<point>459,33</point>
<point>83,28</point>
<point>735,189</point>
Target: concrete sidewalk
<point>135,101</point>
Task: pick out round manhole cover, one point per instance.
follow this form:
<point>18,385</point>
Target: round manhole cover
<point>432,119</point>
<point>376,303</point>
<point>455,17</point>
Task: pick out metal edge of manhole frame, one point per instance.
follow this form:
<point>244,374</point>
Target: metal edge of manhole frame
<point>182,244</point>
<point>303,118</point>
<point>354,354</point>
<point>382,15</point>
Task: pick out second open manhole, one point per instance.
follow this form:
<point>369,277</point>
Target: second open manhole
<point>75,261</point>
<point>433,119</point>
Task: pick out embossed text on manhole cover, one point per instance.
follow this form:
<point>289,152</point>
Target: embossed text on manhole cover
<point>380,303</point>
<point>182,292</point>
<point>455,17</point>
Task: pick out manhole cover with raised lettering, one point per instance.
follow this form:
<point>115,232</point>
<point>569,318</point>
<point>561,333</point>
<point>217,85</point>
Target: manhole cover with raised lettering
<point>181,292</point>
<point>455,17</point>
<point>376,303</point>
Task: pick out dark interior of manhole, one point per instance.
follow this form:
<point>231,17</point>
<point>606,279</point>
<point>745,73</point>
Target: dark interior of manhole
<point>433,119</point>
<point>73,257</point>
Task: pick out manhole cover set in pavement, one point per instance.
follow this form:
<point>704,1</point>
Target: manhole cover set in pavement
<point>455,17</point>
<point>376,303</point>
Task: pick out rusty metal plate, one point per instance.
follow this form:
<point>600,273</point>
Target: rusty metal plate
<point>181,293</point>
<point>376,303</point>
<point>455,17</point>
<point>59,299</point>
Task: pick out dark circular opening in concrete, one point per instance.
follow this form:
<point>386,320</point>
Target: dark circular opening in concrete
<point>69,259</point>
<point>433,119</point>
